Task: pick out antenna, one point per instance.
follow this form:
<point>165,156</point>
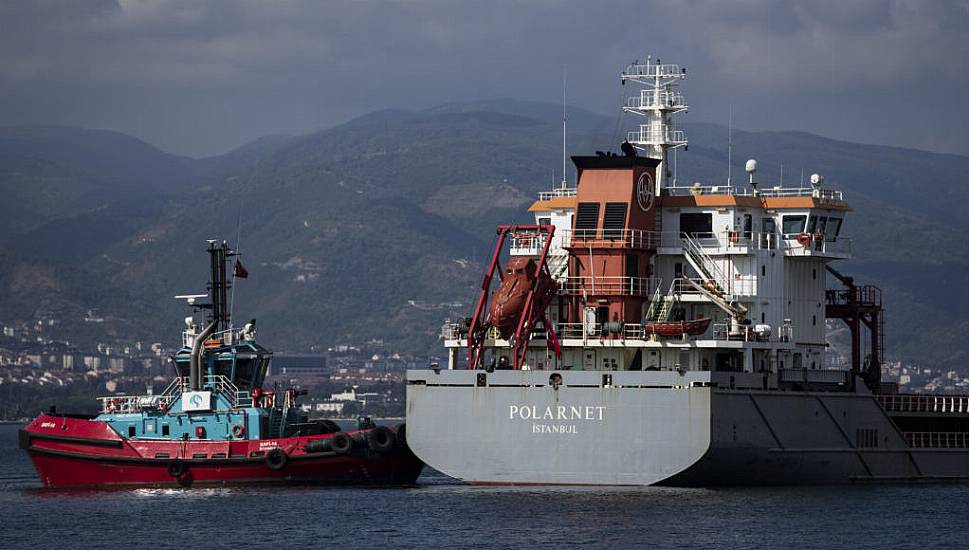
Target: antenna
<point>565,73</point>
<point>729,142</point>
<point>782,174</point>
<point>657,102</point>
<point>751,168</point>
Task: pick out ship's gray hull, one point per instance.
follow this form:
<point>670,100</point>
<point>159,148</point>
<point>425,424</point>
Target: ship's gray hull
<point>644,428</point>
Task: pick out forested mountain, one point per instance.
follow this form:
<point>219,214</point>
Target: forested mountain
<point>343,230</point>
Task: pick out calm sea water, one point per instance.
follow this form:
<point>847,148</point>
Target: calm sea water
<point>439,512</point>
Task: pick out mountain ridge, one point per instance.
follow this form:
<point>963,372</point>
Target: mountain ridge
<point>343,226</point>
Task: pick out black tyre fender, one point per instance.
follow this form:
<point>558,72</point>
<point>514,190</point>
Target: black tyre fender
<point>401,436</point>
<point>341,443</point>
<point>277,459</point>
<point>176,468</point>
<point>330,427</point>
<point>381,439</point>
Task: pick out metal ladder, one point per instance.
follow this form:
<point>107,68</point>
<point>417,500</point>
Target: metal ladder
<point>703,264</point>
<point>661,306</point>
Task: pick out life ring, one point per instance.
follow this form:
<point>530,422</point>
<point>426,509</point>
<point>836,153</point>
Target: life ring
<point>276,459</point>
<point>238,430</point>
<point>381,439</point>
<point>341,444</point>
<point>176,468</point>
<point>803,239</point>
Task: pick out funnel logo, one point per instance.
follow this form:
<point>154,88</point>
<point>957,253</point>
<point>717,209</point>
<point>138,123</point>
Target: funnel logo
<point>644,192</point>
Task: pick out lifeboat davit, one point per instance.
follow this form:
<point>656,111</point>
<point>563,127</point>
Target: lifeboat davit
<point>694,327</point>
<point>508,302</point>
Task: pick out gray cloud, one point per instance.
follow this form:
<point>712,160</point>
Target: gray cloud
<point>199,77</point>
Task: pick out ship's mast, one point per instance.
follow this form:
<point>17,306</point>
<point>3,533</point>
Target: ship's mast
<point>657,102</point>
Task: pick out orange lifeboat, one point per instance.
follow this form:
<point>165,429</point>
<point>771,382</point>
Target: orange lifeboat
<point>508,302</point>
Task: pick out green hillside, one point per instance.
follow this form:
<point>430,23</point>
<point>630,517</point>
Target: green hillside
<point>343,228</point>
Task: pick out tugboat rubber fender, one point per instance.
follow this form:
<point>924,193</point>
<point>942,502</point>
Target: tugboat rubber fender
<point>176,468</point>
<point>381,439</point>
<point>401,436</point>
<point>330,427</point>
<point>277,459</point>
<point>341,443</point>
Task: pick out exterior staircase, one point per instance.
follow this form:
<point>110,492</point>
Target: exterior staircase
<point>703,264</point>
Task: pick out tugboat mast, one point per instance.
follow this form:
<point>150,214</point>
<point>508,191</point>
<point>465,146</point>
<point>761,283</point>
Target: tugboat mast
<point>219,253</point>
<point>657,101</point>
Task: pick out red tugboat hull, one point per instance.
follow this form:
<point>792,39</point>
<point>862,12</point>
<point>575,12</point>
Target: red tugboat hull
<point>74,452</point>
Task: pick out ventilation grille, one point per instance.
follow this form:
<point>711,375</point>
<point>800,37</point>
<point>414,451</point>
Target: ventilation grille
<point>615,220</point>
<point>586,219</point>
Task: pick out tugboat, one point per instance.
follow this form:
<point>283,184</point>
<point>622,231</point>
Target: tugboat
<point>214,424</point>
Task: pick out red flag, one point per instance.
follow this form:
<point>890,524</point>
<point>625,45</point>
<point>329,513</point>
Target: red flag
<point>240,271</point>
<point>554,341</point>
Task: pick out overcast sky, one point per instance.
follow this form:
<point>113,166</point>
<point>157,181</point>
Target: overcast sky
<point>199,77</point>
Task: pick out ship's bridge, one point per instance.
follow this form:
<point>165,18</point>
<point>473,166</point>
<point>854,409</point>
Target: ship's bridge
<point>799,221</point>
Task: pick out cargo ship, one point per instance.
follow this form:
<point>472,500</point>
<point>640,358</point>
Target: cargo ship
<point>643,332</point>
<point>214,424</point>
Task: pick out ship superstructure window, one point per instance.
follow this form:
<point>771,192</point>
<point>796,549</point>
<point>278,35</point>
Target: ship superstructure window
<point>793,225</point>
<point>817,225</point>
<point>614,220</point>
<point>832,229</point>
<point>586,219</point>
<point>696,224</point>
<point>544,221</point>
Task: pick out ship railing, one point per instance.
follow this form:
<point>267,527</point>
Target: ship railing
<point>557,192</point>
<point>454,331</point>
<point>815,376</point>
<point>937,440</point>
<point>739,285</point>
<point>919,403</point>
<point>226,337</point>
<point>124,404</point>
<point>746,333</point>
<point>610,238</point>
<point>817,245</point>
<point>532,244</point>
<point>722,242</point>
<point>647,99</point>
<point>579,330</point>
<point>623,331</point>
<point>608,286</point>
<point>771,192</point>
<point>224,385</point>
<point>655,135</point>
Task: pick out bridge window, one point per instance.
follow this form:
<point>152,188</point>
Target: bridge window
<point>696,224</point>
<point>832,229</point>
<point>792,225</point>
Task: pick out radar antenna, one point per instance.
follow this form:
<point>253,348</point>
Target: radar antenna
<point>657,101</point>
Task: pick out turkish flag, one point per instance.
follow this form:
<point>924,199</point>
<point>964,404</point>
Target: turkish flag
<point>240,271</point>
